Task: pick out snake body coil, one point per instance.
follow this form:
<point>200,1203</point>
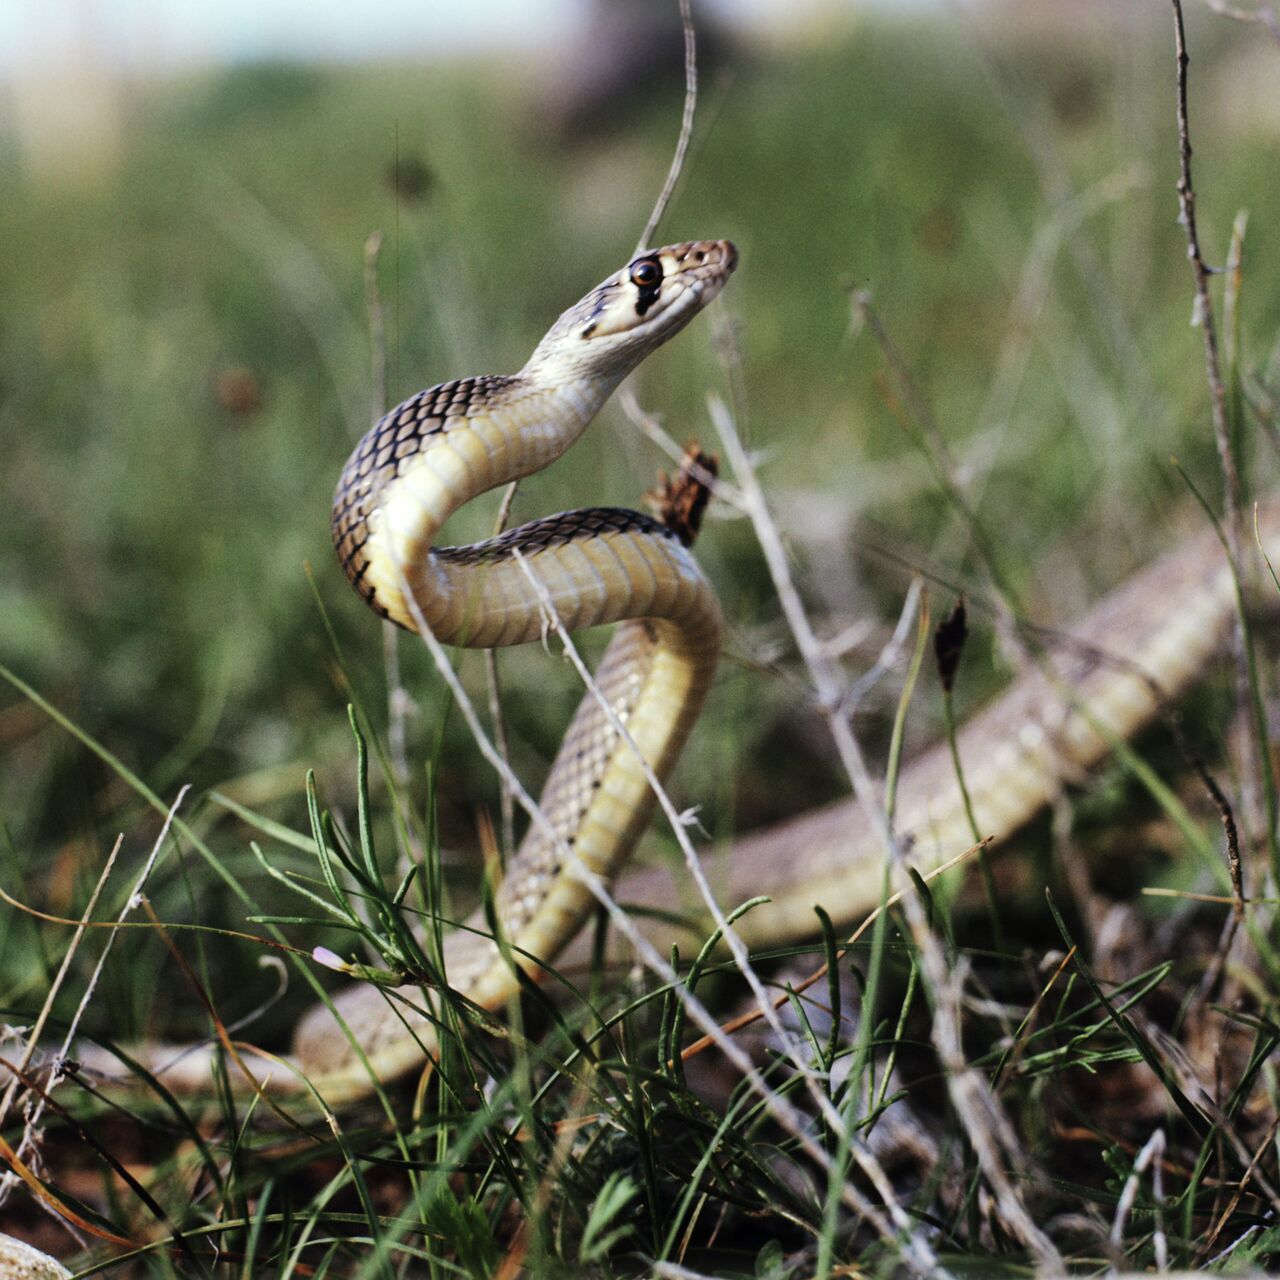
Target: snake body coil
<point>412,470</point>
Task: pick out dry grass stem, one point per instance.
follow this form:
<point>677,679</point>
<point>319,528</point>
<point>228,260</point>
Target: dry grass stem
<point>987,1126</point>
<point>686,126</point>
<point>1253,782</point>
<point>1203,314</point>
<point>1150,1156</point>
<point>493,684</point>
<point>890,653</point>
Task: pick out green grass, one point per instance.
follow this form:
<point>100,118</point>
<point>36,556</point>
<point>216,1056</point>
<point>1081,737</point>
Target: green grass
<point>154,588</point>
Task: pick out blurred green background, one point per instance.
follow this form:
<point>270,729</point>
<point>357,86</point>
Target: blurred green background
<point>185,363</point>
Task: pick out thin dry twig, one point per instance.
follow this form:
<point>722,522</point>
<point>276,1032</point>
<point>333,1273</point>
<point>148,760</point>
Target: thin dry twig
<point>1234,288</point>
<point>1204,302</point>
<point>890,654</point>
<point>686,126</point>
<point>988,1128</point>
<point>493,683</point>
<point>1151,1156</point>
<point>1253,782</point>
<point>400,704</point>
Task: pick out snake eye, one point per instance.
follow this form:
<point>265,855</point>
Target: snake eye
<point>646,274</point>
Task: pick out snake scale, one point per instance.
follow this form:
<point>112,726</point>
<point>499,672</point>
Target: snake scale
<point>1138,648</point>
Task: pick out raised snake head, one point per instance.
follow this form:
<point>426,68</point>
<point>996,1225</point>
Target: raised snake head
<point>617,324</point>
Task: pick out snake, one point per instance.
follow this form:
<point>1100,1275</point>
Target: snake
<point>412,470</point>
<point>1097,684</point>
<point>416,466</point>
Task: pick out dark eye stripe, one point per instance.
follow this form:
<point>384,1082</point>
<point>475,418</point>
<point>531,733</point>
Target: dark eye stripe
<point>646,299</point>
<point>646,275</point>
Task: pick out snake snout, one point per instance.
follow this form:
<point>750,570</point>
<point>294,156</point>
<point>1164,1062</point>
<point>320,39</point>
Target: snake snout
<point>707,254</point>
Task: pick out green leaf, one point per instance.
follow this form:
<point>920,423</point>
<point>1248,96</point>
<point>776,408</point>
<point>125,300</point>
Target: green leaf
<point>600,1236</point>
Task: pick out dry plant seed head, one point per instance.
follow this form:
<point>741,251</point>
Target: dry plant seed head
<point>948,644</point>
<point>680,501</point>
<point>636,309</point>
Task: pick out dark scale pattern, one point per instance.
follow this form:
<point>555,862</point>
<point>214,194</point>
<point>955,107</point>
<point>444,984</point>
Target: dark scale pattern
<point>580,764</point>
<point>380,457</point>
<point>555,531</point>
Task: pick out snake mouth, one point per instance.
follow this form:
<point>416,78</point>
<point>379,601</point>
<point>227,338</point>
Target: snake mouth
<point>706,264</point>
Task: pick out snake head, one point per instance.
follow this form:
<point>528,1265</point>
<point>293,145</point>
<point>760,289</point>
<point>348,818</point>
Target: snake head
<point>636,309</point>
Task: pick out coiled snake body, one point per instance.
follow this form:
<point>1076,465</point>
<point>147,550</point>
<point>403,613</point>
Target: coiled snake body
<point>425,459</point>
<point>410,472</point>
